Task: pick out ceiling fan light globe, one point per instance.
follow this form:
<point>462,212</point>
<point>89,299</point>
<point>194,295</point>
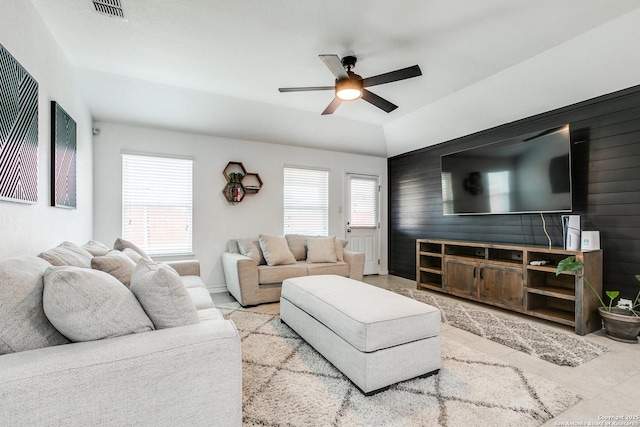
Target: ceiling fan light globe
<point>348,94</point>
<point>349,89</point>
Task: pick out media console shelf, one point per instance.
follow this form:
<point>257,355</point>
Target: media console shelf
<point>502,275</point>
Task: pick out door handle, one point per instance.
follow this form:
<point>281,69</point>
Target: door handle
<point>474,272</point>
<point>349,230</point>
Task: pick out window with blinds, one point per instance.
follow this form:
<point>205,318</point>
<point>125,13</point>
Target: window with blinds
<point>157,203</point>
<point>364,203</point>
<point>306,201</point>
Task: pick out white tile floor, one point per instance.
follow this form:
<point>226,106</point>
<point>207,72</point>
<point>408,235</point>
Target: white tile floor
<point>609,384</point>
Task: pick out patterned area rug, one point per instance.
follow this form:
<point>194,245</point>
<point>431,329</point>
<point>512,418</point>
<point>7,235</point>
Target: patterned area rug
<point>552,346</point>
<point>287,383</point>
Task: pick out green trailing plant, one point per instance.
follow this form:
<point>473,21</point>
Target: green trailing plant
<point>235,177</point>
<point>570,264</point>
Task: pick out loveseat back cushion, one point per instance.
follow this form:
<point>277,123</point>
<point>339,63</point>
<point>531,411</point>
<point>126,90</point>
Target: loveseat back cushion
<point>251,247</point>
<point>96,248</point>
<point>87,305</point>
<point>67,253</point>
<point>321,249</point>
<point>116,264</point>
<point>162,295</point>
<point>297,245</point>
<point>275,250</point>
<point>24,325</point>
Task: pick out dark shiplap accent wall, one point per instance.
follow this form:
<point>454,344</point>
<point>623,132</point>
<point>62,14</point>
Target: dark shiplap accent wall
<point>605,135</point>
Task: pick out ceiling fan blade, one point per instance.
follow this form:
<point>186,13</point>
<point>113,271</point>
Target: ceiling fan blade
<point>379,102</point>
<point>334,64</point>
<point>332,107</point>
<point>393,76</point>
<point>305,89</point>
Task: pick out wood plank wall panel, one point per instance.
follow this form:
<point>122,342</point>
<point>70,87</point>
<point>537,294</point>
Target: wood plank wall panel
<point>605,135</point>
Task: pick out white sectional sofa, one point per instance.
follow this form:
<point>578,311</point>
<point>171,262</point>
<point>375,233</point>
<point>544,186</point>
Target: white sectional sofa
<point>180,366</point>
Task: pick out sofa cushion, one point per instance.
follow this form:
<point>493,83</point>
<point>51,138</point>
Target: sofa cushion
<point>271,275</point>
<point>251,247</point>
<point>95,248</point>
<point>133,255</point>
<point>24,325</point>
<point>200,297</point>
<point>340,245</point>
<point>87,305</point>
<point>67,253</point>
<point>339,268</point>
<point>275,250</point>
<point>116,264</point>
<point>297,245</point>
<point>162,295</point>
<point>321,249</point>
<point>121,244</point>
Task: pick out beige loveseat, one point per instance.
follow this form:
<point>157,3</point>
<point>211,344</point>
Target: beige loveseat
<point>181,363</point>
<point>254,270</point>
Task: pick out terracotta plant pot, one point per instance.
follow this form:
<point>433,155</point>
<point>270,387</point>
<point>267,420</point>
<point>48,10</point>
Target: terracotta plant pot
<point>621,327</point>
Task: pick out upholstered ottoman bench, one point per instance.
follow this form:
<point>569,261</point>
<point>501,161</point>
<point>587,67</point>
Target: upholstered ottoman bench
<point>375,337</point>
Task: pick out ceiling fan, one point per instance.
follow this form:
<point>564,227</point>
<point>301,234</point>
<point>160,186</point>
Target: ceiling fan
<point>349,86</point>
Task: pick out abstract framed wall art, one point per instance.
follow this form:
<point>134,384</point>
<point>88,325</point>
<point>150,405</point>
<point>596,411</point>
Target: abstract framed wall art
<point>18,131</point>
<point>63,158</point>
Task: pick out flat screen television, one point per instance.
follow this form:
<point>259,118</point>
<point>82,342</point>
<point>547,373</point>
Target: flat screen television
<point>527,174</point>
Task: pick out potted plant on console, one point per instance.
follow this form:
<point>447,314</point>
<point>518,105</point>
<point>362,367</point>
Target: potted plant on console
<point>620,323</point>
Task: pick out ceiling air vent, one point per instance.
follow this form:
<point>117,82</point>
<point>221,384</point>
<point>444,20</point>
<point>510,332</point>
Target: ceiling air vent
<point>112,8</point>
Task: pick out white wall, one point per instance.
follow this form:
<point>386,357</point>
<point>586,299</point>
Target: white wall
<point>29,229</point>
<point>215,220</point>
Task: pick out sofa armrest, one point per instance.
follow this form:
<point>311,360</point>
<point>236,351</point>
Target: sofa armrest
<point>356,264</point>
<point>186,375</point>
<point>241,276</point>
<point>187,267</point>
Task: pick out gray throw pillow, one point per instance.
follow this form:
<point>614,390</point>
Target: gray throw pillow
<point>297,245</point>
<point>321,249</point>
<point>23,324</point>
<point>116,264</point>
<point>163,295</point>
<point>133,255</point>
<point>95,248</point>
<point>275,250</point>
<point>251,248</point>
<point>87,305</point>
<point>67,253</point>
<point>120,244</point>
<point>340,245</point>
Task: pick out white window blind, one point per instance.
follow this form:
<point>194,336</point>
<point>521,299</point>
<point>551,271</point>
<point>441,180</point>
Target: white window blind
<point>364,202</point>
<point>306,201</point>
<point>157,203</point>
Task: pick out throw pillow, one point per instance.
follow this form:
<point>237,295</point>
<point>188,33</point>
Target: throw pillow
<point>275,250</point>
<point>87,305</point>
<point>95,248</point>
<point>297,245</point>
<point>67,253</point>
<point>133,255</point>
<point>116,264</point>
<point>251,248</point>
<point>24,325</point>
<point>321,249</point>
<point>163,295</point>
<point>121,245</point>
<point>340,245</point>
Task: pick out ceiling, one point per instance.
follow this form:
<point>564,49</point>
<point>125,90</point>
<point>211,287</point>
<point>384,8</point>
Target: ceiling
<point>214,67</point>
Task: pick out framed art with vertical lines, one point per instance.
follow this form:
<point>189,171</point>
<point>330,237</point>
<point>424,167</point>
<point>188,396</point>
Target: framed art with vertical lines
<point>63,158</point>
<point>18,131</point>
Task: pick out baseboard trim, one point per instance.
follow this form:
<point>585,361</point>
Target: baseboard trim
<point>217,289</point>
